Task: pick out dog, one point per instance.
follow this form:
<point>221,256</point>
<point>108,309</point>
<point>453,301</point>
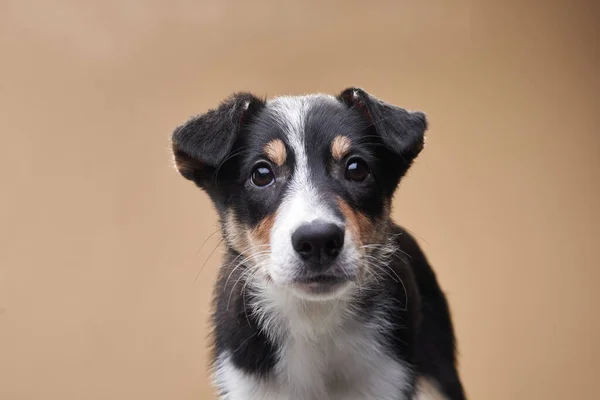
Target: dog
<point>321,296</point>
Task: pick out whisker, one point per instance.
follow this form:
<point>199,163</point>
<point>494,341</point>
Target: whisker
<point>381,263</point>
<point>207,258</point>
<point>242,262</point>
<point>206,241</point>
<point>244,294</point>
<point>246,272</point>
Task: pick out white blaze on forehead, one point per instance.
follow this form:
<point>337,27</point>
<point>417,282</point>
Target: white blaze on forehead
<point>291,113</point>
<point>301,203</point>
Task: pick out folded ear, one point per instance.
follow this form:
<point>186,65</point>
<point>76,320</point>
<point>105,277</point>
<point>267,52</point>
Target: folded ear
<point>402,131</point>
<point>203,143</point>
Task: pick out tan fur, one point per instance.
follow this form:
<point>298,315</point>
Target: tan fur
<point>276,152</point>
<point>426,390</point>
<point>340,147</point>
<point>184,164</point>
<point>261,235</point>
<point>181,165</point>
<point>361,227</point>
<point>234,236</point>
<point>248,242</point>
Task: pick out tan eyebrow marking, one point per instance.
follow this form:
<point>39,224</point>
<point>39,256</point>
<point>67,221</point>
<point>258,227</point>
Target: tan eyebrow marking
<point>340,147</point>
<point>276,152</point>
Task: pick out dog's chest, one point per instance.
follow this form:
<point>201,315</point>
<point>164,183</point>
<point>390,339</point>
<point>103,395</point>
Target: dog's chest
<point>349,363</point>
<point>352,363</point>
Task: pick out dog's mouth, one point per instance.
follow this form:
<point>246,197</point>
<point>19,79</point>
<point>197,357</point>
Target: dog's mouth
<point>320,284</point>
<point>320,279</point>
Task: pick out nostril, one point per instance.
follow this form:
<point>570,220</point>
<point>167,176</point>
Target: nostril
<point>305,248</point>
<point>332,248</point>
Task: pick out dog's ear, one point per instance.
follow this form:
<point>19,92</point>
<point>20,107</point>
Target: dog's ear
<point>203,142</point>
<point>402,131</point>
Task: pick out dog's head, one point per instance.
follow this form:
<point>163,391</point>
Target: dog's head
<point>303,184</point>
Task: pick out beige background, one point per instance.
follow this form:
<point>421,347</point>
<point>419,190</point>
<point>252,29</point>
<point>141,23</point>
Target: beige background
<point>101,239</point>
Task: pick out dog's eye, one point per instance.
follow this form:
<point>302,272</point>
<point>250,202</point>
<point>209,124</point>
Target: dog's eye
<point>262,175</point>
<point>357,170</point>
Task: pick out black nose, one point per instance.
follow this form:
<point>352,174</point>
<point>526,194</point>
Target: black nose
<point>318,242</point>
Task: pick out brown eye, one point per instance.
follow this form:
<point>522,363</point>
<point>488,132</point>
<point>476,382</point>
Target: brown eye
<point>262,175</point>
<point>357,170</point>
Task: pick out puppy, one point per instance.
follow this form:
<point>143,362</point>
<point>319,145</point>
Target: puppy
<point>321,295</point>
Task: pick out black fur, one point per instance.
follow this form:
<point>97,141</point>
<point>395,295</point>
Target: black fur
<point>235,326</point>
<point>402,131</point>
<point>203,143</point>
<point>217,151</point>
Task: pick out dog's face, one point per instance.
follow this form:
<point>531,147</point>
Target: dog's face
<point>303,184</point>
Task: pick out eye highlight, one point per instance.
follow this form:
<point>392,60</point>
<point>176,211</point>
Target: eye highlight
<point>262,175</point>
<point>357,170</point>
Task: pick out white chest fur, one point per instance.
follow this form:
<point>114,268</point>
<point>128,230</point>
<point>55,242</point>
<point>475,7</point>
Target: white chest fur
<point>324,354</point>
<point>314,372</point>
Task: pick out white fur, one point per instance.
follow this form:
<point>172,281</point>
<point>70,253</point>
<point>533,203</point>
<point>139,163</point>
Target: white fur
<point>301,203</point>
<point>324,354</point>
